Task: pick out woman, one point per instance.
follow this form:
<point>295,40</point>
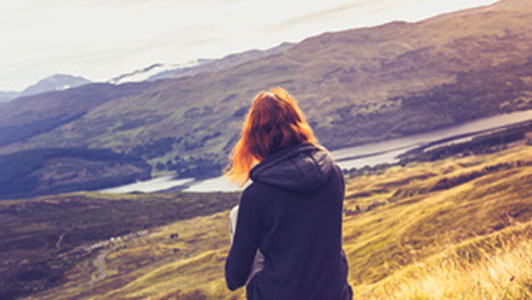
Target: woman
<point>288,238</point>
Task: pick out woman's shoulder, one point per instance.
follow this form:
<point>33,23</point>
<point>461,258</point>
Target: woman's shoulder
<point>259,189</point>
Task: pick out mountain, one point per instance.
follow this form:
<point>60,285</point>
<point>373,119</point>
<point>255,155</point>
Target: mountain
<point>356,86</point>
<point>55,82</point>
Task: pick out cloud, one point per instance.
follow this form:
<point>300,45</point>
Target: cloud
<point>197,42</point>
<point>327,14</point>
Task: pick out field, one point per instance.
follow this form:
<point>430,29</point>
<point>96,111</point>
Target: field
<point>45,237</point>
<point>457,228</point>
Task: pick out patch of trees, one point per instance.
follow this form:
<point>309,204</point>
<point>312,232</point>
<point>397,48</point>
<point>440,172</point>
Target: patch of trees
<point>11,134</point>
<point>196,141</point>
<point>22,174</point>
<point>479,145</point>
<point>160,147</point>
<point>155,148</point>
<point>203,166</point>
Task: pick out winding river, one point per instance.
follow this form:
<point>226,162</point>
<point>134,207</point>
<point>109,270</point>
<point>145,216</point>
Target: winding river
<point>347,158</point>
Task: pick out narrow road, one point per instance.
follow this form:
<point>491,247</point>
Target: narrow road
<point>122,241</point>
<point>101,266</point>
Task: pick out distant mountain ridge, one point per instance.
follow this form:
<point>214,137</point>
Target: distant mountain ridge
<point>163,71</point>
<point>153,72</point>
<point>227,61</point>
<point>356,86</point>
<point>57,82</point>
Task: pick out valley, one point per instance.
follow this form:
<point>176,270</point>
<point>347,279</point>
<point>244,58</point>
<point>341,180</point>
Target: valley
<point>356,87</point>
<point>478,136</point>
<point>404,227</point>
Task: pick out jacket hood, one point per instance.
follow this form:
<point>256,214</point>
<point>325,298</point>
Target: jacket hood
<point>301,168</point>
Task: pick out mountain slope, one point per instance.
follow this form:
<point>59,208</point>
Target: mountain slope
<point>398,231</point>
<point>43,238</point>
<point>356,86</point>
<point>36,114</point>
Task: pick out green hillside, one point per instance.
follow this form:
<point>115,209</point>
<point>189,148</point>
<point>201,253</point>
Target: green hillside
<point>356,86</point>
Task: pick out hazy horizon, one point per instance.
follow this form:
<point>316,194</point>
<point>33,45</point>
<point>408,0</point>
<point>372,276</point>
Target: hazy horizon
<point>100,39</point>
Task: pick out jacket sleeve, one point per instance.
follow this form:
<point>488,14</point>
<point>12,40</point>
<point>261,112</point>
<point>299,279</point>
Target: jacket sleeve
<point>245,244</point>
<point>342,179</point>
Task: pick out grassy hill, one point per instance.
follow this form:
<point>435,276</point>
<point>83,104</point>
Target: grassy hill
<point>356,86</point>
<point>426,230</point>
<point>45,237</point>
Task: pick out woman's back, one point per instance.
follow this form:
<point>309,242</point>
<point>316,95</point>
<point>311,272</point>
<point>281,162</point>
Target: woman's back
<point>292,212</point>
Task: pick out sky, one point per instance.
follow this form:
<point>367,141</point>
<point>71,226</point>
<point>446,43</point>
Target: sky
<point>101,39</point>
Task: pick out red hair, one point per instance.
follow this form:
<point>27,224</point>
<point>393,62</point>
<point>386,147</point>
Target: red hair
<point>274,122</point>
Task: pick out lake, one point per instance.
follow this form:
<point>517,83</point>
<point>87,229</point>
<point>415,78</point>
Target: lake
<point>149,186</point>
<point>350,157</point>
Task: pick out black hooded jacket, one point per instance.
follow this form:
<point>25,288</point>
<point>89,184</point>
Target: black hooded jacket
<point>292,212</point>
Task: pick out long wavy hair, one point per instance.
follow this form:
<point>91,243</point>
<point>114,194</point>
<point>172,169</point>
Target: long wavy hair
<point>273,123</point>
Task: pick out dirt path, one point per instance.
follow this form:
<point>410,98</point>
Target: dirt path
<point>101,266</point>
<point>121,242</point>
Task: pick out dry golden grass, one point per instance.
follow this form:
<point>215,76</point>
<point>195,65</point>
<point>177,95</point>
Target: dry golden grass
<point>502,272</point>
<point>404,222</point>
